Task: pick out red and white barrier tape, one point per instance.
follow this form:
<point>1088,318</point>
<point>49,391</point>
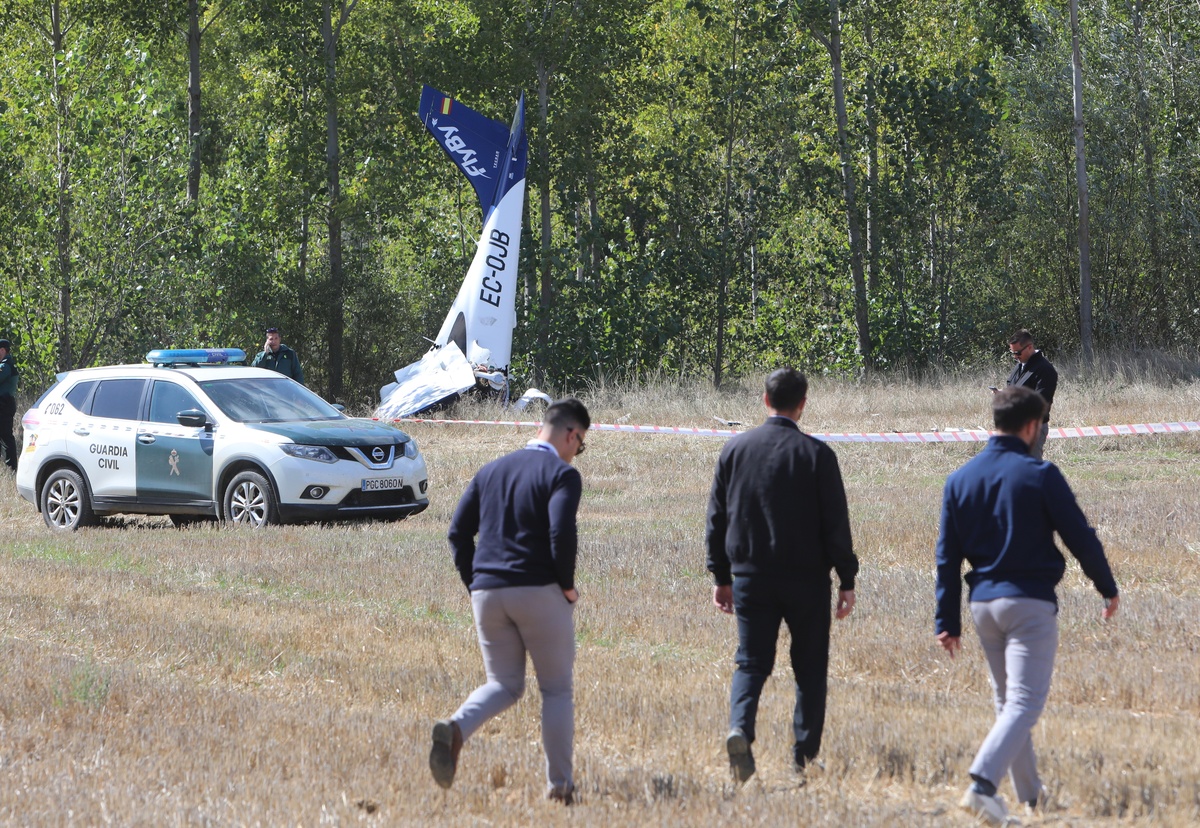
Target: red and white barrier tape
<point>974,436</point>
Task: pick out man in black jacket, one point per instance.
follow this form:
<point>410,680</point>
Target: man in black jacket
<point>9,379</point>
<point>777,524</point>
<point>1035,372</point>
<point>521,576</point>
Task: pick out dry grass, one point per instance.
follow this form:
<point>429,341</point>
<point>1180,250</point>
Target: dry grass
<point>212,676</point>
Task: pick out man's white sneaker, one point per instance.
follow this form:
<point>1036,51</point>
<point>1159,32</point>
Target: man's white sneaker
<point>991,809</point>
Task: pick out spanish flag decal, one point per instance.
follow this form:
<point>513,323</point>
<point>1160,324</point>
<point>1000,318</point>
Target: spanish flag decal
<point>446,106</point>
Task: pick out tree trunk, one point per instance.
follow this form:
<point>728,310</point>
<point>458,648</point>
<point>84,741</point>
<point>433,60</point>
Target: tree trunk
<point>63,206</point>
<point>933,254</point>
<point>337,289</point>
<point>1085,256</point>
<point>725,241</point>
<point>304,315</point>
<point>1160,324</point>
<point>595,230</point>
<point>581,251</point>
<point>753,264</point>
<point>948,251</point>
<point>861,316</point>
<point>530,273</point>
<point>546,293</point>
<point>194,136</point>
<point>872,110</point>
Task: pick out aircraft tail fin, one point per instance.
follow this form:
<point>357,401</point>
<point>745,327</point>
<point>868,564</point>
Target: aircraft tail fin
<point>473,348</point>
<point>492,156</point>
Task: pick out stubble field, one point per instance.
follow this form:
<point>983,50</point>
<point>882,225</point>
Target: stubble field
<point>151,676</point>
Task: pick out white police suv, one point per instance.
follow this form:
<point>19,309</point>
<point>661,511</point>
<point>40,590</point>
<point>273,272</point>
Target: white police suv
<point>190,436</point>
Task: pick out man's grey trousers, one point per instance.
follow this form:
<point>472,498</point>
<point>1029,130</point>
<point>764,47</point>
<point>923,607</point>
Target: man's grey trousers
<point>1019,638</point>
<point>510,622</point>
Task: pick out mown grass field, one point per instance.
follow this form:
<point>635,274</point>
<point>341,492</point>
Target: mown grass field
<point>289,677</point>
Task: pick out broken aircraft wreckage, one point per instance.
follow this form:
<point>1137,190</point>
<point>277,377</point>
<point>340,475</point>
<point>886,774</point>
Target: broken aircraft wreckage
<point>474,346</point>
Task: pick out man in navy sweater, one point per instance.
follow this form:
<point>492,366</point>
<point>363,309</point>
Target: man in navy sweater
<point>1000,512</point>
<point>521,576</point>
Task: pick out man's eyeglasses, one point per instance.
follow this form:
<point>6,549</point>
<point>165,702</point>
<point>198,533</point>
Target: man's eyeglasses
<point>1020,350</point>
<point>579,434</point>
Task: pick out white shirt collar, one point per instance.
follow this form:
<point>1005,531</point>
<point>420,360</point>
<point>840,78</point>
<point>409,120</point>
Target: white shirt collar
<point>541,445</point>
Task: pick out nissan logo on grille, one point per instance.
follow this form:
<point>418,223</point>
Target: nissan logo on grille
<point>378,454</point>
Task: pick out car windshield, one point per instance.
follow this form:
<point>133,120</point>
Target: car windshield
<point>271,400</point>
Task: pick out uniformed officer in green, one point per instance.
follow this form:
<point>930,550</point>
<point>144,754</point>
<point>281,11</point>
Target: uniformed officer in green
<point>279,357</point>
<point>9,377</point>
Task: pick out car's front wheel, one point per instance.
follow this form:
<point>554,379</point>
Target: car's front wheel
<point>249,500</point>
<point>66,504</point>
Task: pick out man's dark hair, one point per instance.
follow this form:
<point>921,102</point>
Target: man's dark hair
<point>1016,405</point>
<point>567,413</point>
<point>1021,337</point>
<point>786,389</point>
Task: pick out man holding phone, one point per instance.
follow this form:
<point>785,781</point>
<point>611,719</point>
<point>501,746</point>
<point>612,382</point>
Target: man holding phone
<point>9,380</point>
<point>1033,371</point>
<point>277,357</point>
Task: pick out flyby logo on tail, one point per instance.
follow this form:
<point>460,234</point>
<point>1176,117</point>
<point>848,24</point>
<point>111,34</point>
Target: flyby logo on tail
<point>491,155</point>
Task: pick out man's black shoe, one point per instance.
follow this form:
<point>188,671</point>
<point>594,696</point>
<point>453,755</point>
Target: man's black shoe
<point>443,756</point>
<point>741,760</point>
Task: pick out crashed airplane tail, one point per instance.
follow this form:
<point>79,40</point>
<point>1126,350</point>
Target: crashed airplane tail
<point>480,323</point>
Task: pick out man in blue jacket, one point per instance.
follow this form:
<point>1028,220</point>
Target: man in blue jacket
<point>1000,512</point>
<point>521,576</point>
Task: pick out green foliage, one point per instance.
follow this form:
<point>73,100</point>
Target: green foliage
<point>684,182</point>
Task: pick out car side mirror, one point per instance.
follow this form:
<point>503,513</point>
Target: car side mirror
<point>339,407</point>
<point>192,418</point>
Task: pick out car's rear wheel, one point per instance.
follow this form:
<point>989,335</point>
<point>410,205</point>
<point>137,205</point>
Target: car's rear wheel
<point>250,501</point>
<point>66,504</point>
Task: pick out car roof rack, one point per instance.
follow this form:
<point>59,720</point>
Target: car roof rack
<point>192,357</point>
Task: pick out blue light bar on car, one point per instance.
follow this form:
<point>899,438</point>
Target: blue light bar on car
<point>195,356</point>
